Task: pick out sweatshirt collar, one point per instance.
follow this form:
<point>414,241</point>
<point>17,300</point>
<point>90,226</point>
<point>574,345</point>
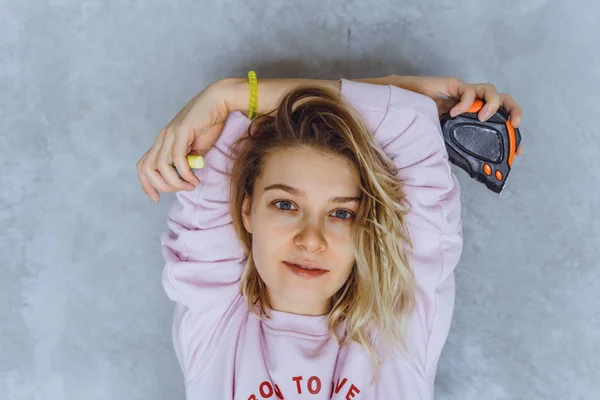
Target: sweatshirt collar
<point>305,324</point>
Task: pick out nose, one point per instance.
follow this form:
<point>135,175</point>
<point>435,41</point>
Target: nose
<point>311,237</point>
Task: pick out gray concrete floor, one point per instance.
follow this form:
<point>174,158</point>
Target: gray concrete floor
<point>85,87</point>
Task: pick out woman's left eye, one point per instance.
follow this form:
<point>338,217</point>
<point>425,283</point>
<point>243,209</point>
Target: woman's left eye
<point>342,214</point>
<point>284,205</point>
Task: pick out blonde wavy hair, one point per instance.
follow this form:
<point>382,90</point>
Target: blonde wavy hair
<point>380,291</point>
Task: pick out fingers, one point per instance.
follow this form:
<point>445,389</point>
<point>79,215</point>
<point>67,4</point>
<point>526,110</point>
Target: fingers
<point>181,148</point>
<point>491,98</point>
<point>467,97</point>
<point>150,172</point>
<point>155,171</point>
<point>146,185</point>
<point>163,164</point>
<point>513,108</point>
<point>519,151</point>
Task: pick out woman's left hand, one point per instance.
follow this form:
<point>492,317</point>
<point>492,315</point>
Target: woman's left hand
<point>456,96</point>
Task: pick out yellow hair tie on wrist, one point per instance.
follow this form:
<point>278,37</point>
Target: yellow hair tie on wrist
<point>253,81</point>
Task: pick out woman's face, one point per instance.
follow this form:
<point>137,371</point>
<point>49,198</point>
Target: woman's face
<point>302,212</point>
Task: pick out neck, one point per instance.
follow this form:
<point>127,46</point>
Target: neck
<point>314,309</point>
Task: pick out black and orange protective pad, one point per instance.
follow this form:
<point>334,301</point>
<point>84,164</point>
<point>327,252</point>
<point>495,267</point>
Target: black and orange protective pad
<point>485,150</point>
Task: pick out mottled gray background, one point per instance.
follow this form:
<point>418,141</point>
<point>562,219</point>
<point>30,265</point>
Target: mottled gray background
<point>85,86</point>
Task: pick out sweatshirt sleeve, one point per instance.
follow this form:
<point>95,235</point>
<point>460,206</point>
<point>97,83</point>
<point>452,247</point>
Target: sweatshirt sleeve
<point>203,255</point>
<point>406,126</point>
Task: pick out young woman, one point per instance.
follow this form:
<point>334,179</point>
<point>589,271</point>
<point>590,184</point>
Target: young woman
<point>314,256</point>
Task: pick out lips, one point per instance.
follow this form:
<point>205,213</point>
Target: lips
<point>305,265</point>
<point>305,269</point>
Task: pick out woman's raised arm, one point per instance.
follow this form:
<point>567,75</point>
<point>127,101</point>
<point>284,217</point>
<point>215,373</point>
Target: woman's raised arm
<point>196,128</point>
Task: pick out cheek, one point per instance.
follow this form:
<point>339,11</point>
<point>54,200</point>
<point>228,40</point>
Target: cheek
<point>343,243</point>
<point>341,235</point>
<point>268,235</point>
<point>268,227</point>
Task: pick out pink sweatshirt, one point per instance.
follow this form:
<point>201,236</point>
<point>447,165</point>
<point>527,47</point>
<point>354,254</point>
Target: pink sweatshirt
<point>226,352</point>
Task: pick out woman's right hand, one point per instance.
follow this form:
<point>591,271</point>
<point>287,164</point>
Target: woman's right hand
<point>194,130</point>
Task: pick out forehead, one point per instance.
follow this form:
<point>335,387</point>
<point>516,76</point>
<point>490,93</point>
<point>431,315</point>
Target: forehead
<point>311,170</point>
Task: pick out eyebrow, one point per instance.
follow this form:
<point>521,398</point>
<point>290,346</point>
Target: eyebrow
<point>297,192</point>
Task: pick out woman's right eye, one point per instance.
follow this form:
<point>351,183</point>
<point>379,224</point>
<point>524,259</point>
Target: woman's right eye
<point>284,205</point>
